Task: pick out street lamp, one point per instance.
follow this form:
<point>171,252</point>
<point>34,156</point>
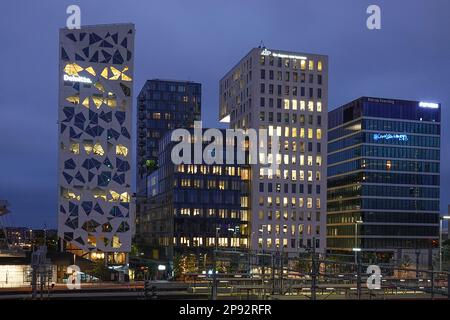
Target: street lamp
<point>441,219</point>
<point>357,249</point>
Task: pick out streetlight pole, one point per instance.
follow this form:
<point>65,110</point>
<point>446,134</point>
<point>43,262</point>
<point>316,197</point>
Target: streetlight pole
<point>441,219</point>
<point>214,285</point>
<point>356,249</point>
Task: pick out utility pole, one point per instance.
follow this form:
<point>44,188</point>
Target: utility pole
<point>358,275</point>
<point>214,282</point>
<point>272,255</point>
<point>314,271</point>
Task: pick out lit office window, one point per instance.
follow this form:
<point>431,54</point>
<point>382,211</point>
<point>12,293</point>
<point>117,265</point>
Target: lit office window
<point>319,134</point>
<point>303,64</point>
<point>319,65</point>
<point>302,105</point>
<point>319,106</point>
<point>302,133</point>
<point>311,64</point>
<point>318,160</point>
<point>294,104</point>
<point>310,106</point>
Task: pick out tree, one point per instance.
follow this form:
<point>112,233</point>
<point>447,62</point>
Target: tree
<point>101,271</point>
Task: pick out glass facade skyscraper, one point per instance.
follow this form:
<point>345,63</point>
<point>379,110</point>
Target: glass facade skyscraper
<point>163,105</point>
<point>383,175</point>
<point>192,208</point>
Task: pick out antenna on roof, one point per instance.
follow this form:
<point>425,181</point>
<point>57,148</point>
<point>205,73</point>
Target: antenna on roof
<point>261,45</point>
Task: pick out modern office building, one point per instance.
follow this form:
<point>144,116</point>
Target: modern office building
<point>95,215</point>
<point>194,208</point>
<point>383,177</point>
<point>286,92</point>
<point>163,105</point>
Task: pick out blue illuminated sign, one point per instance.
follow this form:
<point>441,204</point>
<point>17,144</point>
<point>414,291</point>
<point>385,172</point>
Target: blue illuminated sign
<point>390,136</point>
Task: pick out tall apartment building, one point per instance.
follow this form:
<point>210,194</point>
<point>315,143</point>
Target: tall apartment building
<point>383,177</point>
<point>194,208</point>
<point>95,214</point>
<point>163,105</point>
<point>287,92</point>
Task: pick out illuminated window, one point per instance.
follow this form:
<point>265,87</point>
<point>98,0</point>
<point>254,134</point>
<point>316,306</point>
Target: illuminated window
<point>303,64</point>
<point>125,197</point>
<point>286,132</point>
<point>302,132</point>
<point>302,105</point>
<point>244,202</point>
<point>86,102</point>
<point>121,150</point>
<point>98,150</point>
<point>310,176</point>
<point>116,242</point>
<point>72,69</point>
<point>99,87</point>
<point>319,134</point>
<point>294,133</point>
<point>116,74</point>
<point>388,165</point>
<point>310,161</point>
<point>115,197</point>
<point>69,194</point>
<point>92,240</point>
<point>97,101</point>
<point>319,65</point>
<point>73,99</point>
<point>319,160</point>
<point>88,147</point>
<point>111,102</point>
<point>311,64</point>
<point>319,106</point>
<point>75,148</point>
<point>310,133</point>
<point>294,104</point>
<point>310,106</point>
<point>91,71</point>
<point>286,104</point>
<point>309,202</point>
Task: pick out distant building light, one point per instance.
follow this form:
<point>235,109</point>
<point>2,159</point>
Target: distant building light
<point>161,267</point>
<point>390,136</point>
<point>77,79</point>
<point>430,105</point>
